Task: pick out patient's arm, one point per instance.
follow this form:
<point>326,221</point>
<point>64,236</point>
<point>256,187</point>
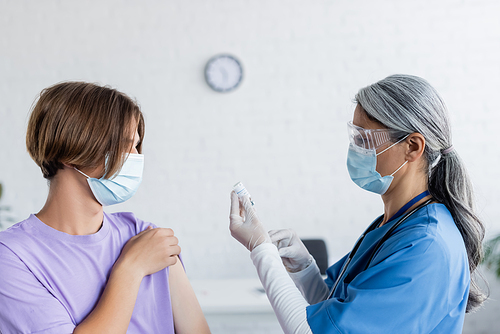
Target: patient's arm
<point>188,317</point>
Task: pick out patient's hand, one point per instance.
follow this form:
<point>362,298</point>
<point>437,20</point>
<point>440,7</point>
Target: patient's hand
<point>150,251</point>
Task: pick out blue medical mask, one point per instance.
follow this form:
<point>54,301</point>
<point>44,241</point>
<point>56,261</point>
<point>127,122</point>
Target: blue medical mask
<point>122,186</point>
<point>362,163</point>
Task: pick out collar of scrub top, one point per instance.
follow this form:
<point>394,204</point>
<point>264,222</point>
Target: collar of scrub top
<point>373,226</point>
<point>408,205</point>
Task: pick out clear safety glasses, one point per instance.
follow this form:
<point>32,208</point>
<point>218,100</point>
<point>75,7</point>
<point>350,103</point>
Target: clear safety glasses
<point>367,138</point>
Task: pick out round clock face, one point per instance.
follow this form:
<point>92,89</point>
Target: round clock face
<point>223,73</point>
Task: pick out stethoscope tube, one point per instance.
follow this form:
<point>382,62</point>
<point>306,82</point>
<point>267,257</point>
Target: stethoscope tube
<point>379,243</point>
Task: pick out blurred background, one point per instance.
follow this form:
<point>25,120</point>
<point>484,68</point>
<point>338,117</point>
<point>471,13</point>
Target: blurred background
<point>282,131</point>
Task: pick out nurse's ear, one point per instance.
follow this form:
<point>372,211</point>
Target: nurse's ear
<point>415,146</point>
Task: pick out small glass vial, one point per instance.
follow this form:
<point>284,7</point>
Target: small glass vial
<point>241,191</point>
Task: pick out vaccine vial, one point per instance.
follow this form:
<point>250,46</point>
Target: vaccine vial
<point>241,191</point>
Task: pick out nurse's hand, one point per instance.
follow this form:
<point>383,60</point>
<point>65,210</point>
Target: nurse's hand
<point>294,254</point>
<point>244,224</point>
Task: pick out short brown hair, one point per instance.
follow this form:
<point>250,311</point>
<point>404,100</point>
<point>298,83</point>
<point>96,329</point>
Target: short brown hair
<point>82,124</point>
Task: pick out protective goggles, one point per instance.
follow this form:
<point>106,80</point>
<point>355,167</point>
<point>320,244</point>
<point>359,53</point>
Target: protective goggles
<point>367,138</point>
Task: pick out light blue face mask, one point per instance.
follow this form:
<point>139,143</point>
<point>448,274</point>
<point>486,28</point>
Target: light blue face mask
<point>122,186</point>
<point>362,163</point>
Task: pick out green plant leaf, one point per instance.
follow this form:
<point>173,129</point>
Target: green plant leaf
<point>492,255</point>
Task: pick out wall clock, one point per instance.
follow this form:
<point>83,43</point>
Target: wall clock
<point>223,73</point>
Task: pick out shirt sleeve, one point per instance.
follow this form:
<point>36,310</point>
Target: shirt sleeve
<point>286,300</point>
<point>310,283</point>
<point>334,271</point>
<point>393,296</point>
<point>26,306</point>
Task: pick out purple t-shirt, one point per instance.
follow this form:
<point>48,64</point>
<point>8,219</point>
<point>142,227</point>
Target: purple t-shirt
<point>50,281</point>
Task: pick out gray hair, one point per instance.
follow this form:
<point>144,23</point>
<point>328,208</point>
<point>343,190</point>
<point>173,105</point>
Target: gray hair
<point>410,104</point>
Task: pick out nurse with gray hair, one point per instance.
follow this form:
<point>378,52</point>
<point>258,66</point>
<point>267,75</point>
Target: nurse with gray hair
<point>413,269</point>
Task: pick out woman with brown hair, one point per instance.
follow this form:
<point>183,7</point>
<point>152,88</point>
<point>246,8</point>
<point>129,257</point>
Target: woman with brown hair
<point>72,268</point>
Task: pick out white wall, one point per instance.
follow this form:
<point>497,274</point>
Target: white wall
<point>282,132</point>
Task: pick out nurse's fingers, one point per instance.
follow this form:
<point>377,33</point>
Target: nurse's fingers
<point>288,252</point>
<point>235,204</point>
<point>247,204</point>
<point>250,213</point>
<point>281,236</point>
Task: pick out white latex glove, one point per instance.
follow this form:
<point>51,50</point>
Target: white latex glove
<point>294,254</point>
<point>244,224</point>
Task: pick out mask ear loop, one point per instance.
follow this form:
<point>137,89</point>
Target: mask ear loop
<point>399,168</point>
<point>88,177</point>
<point>399,141</point>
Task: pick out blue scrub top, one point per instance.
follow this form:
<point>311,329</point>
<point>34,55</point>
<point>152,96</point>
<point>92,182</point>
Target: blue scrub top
<point>418,281</point>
